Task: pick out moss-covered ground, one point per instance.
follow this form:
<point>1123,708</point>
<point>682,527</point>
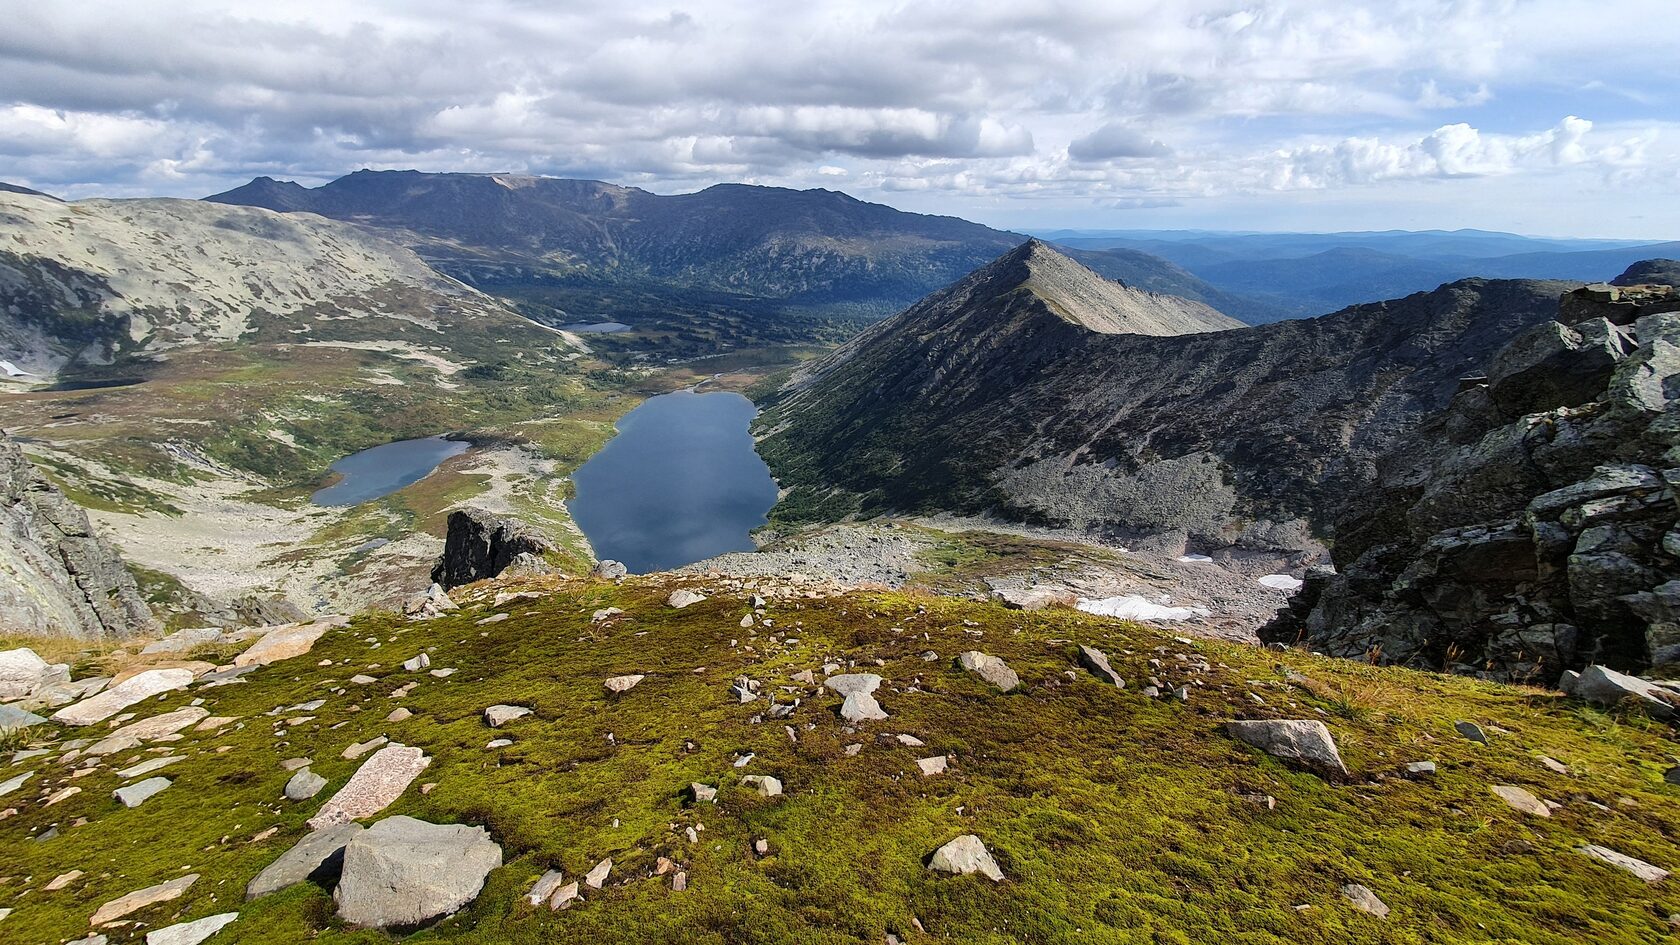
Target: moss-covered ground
<point>1116,818</point>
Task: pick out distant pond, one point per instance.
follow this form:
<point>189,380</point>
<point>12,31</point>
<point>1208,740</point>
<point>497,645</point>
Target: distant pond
<point>678,484</point>
<point>382,470</point>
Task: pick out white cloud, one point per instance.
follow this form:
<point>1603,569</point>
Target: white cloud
<point>1047,103</point>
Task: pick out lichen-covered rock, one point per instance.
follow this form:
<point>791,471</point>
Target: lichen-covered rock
<point>56,575</point>
<point>380,780</point>
<point>480,545</point>
<point>402,872</point>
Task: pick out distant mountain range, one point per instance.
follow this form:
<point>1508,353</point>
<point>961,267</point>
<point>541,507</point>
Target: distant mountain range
<point>732,262</point>
<point>1296,274</point>
<point>987,399</point>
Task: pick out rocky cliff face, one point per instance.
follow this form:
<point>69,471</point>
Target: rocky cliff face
<point>56,575</point>
<point>995,396</point>
<point>480,545</point>
<point>1531,525</point>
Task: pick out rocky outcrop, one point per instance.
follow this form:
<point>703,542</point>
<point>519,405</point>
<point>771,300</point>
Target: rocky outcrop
<point>1531,526</point>
<point>402,872</point>
<point>56,575</point>
<point>481,545</point>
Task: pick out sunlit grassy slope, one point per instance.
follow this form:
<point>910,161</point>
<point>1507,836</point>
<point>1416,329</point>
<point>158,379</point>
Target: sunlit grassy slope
<point>1116,818</point>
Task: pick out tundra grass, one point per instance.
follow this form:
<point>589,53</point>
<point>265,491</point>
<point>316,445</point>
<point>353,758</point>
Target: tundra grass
<point>1115,818</point>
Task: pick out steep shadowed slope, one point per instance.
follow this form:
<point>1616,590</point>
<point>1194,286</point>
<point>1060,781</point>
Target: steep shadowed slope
<point>980,400</point>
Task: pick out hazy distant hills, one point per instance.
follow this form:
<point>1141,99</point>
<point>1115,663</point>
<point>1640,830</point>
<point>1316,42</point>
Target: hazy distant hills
<point>1310,273</point>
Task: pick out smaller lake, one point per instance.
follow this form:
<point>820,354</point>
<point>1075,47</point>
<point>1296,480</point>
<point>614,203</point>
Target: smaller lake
<point>597,328</point>
<point>383,470</point>
<point>678,484</point>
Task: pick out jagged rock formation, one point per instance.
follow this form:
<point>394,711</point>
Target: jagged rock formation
<point>56,575</point>
<point>1531,525</point>
<point>92,282</point>
<point>480,545</point>
<point>1006,394</point>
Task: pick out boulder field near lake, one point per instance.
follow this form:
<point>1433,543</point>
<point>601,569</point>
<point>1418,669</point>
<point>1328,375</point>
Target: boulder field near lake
<point>1004,791</point>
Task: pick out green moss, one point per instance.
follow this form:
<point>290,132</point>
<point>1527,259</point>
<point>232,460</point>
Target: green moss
<point>1116,818</point>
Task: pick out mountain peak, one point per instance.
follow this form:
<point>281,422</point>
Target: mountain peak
<point>1077,295</point>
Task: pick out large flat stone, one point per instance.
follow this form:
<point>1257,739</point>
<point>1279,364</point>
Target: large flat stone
<point>136,688</point>
<point>145,730</point>
<point>191,933</point>
<point>380,780</point>
<point>285,642</point>
<point>141,898</point>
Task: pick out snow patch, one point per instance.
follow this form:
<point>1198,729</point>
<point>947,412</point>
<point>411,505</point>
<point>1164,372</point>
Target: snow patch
<point>1133,607</point>
<point>1281,582</point>
<point>1194,559</point>
<point>13,370</point>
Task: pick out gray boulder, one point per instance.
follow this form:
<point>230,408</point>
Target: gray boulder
<point>1305,743</point>
<point>989,668</point>
<point>964,855</point>
<point>403,873</point>
<point>610,570</point>
<point>1096,661</point>
<point>304,785</point>
<point>1604,686</point>
<point>317,858</point>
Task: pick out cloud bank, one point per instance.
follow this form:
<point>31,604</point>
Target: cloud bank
<point>1023,111</point>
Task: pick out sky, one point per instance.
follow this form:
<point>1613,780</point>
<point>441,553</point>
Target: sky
<point>1548,117</point>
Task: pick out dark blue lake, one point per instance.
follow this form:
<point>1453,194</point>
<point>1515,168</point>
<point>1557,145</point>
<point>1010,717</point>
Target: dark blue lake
<point>679,483</point>
<point>383,470</point>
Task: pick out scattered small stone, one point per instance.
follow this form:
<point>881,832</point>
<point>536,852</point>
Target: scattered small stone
<point>679,882</point>
<point>304,785</point>
<point>765,785</point>
<point>498,743</point>
<point>497,716</point>
<point>1365,900</point>
<point>597,876</point>
<point>703,793</point>
<point>1096,662</point>
<point>932,766</point>
<point>989,668</point>
<point>1471,731</point>
<point>1420,769</point>
<point>418,663</point>
<point>565,896</point>
<point>357,750</point>
<point>191,933</point>
<point>604,614</point>
<point>399,714</point>
<point>964,855</point>
<point>136,794</point>
<point>624,683</point>
<point>1552,764</point>
<point>1522,800</point>
<point>62,880</point>
<point>141,898</point>
<point>684,598</point>
<point>1639,868</point>
<point>544,888</point>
